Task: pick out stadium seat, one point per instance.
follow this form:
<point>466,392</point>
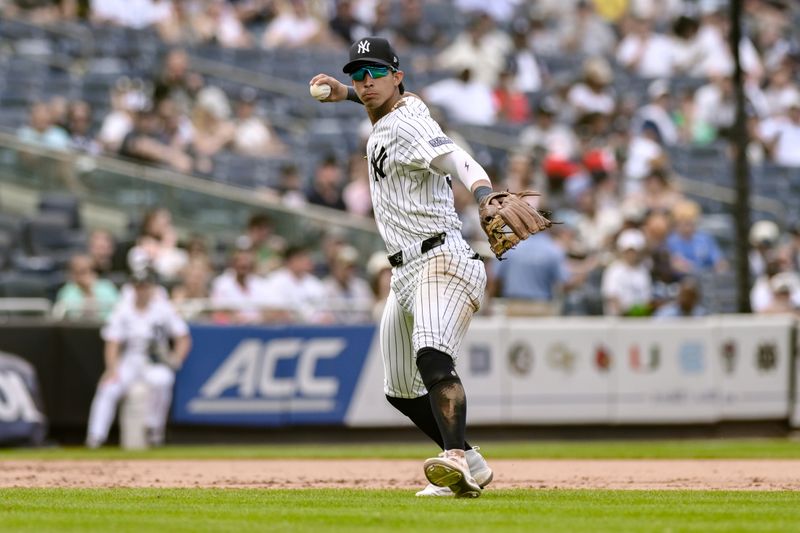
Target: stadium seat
<point>16,285</point>
<point>68,204</point>
<point>49,234</point>
<point>6,247</point>
<point>11,226</point>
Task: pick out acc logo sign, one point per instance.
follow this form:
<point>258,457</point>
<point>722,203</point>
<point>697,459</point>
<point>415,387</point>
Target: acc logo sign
<point>252,370</point>
<point>16,403</point>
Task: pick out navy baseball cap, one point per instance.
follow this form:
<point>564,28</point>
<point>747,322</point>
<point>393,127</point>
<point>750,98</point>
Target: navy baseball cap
<point>372,51</point>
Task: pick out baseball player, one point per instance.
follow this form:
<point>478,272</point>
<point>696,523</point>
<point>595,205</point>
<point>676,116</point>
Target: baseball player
<point>137,338</point>
<point>437,279</point>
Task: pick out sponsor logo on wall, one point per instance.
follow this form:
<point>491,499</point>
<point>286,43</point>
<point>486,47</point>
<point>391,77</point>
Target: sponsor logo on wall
<point>520,359</point>
<point>560,357</point>
<point>766,357</point>
<point>16,402</point>
<point>644,361</point>
<point>480,359</point>
<point>270,376</point>
<point>602,358</point>
<point>692,357</point>
<point>728,352</point>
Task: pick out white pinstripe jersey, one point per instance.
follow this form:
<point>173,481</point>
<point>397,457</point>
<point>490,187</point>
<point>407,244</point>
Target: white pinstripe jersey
<point>411,201</point>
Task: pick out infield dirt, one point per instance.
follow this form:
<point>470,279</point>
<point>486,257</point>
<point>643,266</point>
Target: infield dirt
<point>382,474</point>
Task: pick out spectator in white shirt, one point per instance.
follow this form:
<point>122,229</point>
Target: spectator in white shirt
<point>293,28</point>
<point>481,48</point>
<point>658,113</point>
<point>586,32</point>
<point>596,224</point>
<point>645,154</point>
<point>593,94</point>
<point>464,99</point>
<point>296,289</point>
<point>254,135</point>
<point>646,53</point>
<point>238,294</point>
<point>136,14</point>
<point>780,91</point>
<point>709,52</point>
<point>348,295</point>
<point>626,285</point>
<point>220,23</point>
<point>546,134</point>
<point>775,288</point>
<point>528,75</point>
<point>781,135</point>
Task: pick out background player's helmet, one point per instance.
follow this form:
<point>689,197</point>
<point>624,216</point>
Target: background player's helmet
<point>370,51</point>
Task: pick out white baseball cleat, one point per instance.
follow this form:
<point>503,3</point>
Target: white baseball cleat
<point>477,467</point>
<point>433,490</point>
<point>450,469</point>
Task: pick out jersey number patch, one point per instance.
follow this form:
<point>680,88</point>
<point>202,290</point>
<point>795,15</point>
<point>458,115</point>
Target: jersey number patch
<point>377,164</point>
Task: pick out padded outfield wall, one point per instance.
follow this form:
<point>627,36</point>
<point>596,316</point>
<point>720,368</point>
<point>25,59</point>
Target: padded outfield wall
<point>522,372</point>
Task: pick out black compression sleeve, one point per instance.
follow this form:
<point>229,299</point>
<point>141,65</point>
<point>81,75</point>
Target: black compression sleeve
<point>481,192</point>
<point>352,96</point>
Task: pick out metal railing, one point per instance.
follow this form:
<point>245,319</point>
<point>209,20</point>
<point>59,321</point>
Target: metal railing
<point>10,307</point>
<point>197,204</point>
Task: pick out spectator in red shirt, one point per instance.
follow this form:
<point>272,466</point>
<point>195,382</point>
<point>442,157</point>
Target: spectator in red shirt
<point>511,104</point>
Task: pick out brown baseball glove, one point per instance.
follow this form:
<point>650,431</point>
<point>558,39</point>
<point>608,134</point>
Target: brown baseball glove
<point>507,219</point>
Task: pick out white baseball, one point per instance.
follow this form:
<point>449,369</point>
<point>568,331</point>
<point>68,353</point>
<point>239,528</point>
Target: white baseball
<point>320,92</point>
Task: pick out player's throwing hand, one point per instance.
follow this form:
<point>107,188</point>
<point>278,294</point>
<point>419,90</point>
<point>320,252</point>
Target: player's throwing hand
<point>338,89</point>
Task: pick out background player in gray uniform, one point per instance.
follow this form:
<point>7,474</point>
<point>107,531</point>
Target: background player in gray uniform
<point>437,280</point>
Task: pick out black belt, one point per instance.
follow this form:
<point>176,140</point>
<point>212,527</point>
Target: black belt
<point>427,245</point>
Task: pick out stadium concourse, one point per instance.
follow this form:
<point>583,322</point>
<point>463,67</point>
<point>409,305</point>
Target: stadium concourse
<point>619,112</point>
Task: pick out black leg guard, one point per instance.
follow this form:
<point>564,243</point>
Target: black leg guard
<point>420,412</point>
<point>448,401</point>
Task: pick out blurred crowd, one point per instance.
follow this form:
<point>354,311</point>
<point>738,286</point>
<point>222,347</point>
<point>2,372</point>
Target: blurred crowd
<point>260,279</point>
<point>630,241</point>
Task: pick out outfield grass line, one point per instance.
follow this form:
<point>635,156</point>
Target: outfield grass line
<point>390,511</point>
<point>677,449</point>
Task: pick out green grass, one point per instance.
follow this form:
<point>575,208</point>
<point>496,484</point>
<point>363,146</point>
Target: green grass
<point>682,449</point>
<point>315,511</point>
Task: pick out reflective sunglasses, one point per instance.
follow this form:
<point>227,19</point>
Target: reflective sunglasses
<point>375,72</point>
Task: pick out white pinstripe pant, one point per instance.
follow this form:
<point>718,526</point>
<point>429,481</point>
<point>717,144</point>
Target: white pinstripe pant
<point>431,304</point>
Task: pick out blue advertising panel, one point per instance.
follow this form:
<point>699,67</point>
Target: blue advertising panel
<point>243,375</point>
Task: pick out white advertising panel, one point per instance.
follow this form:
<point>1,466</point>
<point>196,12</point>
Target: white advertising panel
<point>481,366</point>
<point>369,407</point>
<point>753,358</point>
<point>615,371</point>
<point>560,370</point>
<point>664,372</point>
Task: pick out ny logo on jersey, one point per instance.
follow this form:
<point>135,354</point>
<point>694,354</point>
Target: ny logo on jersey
<point>363,47</point>
<point>377,164</point>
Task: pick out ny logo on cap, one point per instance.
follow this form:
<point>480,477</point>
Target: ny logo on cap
<point>363,47</point>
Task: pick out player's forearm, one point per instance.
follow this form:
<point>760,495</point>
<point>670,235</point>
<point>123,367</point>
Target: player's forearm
<point>111,355</point>
<point>460,164</point>
<point>182,346</point>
